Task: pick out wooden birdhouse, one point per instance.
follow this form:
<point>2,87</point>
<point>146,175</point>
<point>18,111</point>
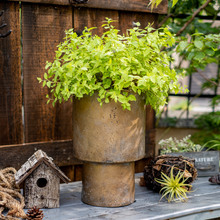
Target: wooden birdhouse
<point>41,179</point>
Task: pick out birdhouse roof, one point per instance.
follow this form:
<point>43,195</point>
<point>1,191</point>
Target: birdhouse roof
<point>33,163</point>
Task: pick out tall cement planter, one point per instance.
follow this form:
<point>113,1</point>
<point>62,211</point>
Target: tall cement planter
<point>108,139</point>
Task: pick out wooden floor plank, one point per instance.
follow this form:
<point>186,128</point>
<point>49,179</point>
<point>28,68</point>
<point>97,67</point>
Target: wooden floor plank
<point>203,201</point>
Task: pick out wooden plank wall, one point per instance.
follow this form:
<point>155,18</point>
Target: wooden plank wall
<point>40,27</point>
<point>11,130</point>
<point>119,5</point>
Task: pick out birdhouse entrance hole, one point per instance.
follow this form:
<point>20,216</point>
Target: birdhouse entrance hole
<point>41,182</point>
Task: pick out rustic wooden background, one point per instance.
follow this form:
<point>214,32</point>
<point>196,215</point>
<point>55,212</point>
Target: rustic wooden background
<point>27,123</point>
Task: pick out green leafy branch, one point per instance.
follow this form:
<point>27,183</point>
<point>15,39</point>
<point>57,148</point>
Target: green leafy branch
<point>200,51</point>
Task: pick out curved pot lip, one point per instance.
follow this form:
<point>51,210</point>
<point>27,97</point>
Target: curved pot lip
<point>111,161</point>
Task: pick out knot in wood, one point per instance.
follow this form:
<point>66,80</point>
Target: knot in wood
<point>78,1</point>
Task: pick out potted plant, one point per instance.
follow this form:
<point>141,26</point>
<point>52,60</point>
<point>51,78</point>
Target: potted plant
<point>111,78</point>
<point>206,162</point>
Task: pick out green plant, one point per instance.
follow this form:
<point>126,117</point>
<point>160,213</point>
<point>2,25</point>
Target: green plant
<point>171,145</point>
<point>155,3</point>
<point>174,187</point>
<point>200,51</point>
<point>209,121</point>
<point>182,105</point>
<point>113,65</point>
<point>198,40</point>
<point>214,143</point>
<point>209,124</point>
<point>202,137</point>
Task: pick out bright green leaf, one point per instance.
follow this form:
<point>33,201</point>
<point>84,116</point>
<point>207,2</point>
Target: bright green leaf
<point>199,44</point>
<point>45,75</point>
<point>209,52</point>
<point>199,56</point>
<point>44,83</point>
<point>174,2</point>
<point>182,45</point>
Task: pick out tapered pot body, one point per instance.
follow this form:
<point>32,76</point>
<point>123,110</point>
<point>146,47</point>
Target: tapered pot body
<point>108,139</point>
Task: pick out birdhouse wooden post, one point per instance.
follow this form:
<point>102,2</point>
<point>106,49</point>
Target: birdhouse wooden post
<point>41,178</point>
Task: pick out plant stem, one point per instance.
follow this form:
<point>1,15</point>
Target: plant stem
<point>164,20</point>
<point>206,78</point>
<point>192,18</point>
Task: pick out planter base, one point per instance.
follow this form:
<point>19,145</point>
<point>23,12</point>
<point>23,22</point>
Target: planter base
<point>108,185</point>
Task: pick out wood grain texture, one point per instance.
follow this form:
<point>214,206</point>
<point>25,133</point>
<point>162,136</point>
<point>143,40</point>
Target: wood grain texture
<point>78,172</point>
<point>122,5</point>
<point>87,17</point>
<point>11,131</point>
<point>127,20</point>
<point>43,28</point>
<point>32,164</point>
<point>17,155</point>
<point>150,132</point>
<point>69,171</point>
<point>42,188</point>
<point>203,204</point>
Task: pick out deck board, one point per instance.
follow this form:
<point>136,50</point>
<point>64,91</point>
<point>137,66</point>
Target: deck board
<point>203,203</point>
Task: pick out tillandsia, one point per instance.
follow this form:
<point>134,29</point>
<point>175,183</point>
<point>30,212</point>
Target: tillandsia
<point>174,188</point>
<point>113,65</point>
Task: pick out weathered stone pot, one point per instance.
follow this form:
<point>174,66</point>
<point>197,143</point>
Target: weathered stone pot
<point>108,139</point>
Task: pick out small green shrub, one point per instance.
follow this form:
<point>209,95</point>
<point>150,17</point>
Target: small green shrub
<point>172,145</point>
<point>214,143</point>
<point>209,124</point>
<point>209,121</point>
<point>112,65</point>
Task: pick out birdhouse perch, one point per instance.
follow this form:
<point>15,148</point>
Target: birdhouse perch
<point>41,178</point>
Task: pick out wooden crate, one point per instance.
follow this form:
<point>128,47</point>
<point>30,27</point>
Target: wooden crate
<point>206,162</point>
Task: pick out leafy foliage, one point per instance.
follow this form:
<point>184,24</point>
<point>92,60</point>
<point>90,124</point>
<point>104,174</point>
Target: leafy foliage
<point>188,7</point>
<point>200,51</point>
<point>172,145</point>
<point>174,187</point>
<point>214,143</point>
<point>198,42</point>
<point>209,121</point>
<point>155,3</point>
<point>112,65</point>
<point>209,135</point>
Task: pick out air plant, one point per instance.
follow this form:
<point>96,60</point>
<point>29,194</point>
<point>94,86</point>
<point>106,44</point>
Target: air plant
<point>174,187</point>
